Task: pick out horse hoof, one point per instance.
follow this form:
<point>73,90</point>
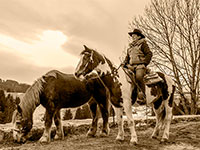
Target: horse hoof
<point>103,134</point>
<point>154,137</point>
<point>90,134</point>
<point>44,140</point>
<point>164,140</point>
<point>119,141</point>
<point>133,143</point>
<point>58,137</point>
<point>119,138</point>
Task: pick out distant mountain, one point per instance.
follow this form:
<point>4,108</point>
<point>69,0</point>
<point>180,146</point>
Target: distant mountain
<point>13,86</point>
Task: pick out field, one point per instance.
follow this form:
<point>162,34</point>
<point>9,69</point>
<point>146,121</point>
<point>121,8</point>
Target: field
<point>184,135</point>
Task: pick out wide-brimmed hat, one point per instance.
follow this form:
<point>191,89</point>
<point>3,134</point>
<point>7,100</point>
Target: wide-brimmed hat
<point>136,31</point>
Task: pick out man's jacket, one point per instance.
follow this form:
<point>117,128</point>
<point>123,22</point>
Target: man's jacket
<point>138,53</point>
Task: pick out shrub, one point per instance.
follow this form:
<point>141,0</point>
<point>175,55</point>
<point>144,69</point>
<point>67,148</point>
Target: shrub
<point>7,106</point>
<point>83,112</point>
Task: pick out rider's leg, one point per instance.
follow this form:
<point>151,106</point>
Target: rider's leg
<point>140,72</point>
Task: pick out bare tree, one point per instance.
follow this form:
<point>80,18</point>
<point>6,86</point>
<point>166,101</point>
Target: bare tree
<point>172,28</point>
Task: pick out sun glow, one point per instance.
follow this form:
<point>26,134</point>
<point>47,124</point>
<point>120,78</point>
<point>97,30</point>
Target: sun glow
<point>53,38</point>
<point>46,52</point>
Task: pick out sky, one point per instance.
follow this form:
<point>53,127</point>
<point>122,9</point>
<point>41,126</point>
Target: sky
<point>37,36</point>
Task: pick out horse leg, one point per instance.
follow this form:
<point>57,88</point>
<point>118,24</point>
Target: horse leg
<point>120,123</point>
<point>167,122</point>
<point>128,110</point>
<point>94,113</point>
<point>59,127</point>
<point>46,137</point>
<point>105,115</point>
<point>158,126</point>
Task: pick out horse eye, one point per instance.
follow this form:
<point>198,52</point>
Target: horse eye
<point>18,123</point>
<point>87,54</point>
<point>86,57</point>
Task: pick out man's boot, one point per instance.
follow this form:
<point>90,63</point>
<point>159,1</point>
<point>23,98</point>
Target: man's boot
<point>141,95</point>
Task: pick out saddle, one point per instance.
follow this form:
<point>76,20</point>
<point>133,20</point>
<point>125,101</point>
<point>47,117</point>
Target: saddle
<point>152,78</point>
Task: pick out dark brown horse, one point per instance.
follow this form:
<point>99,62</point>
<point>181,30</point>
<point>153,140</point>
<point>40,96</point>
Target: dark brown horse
<point>56,90</point>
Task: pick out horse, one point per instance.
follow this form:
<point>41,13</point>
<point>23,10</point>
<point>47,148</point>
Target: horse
<point>56,90</point>
<point>160,96</point>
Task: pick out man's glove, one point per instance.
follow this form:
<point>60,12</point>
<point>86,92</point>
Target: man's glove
<point>124,65</point>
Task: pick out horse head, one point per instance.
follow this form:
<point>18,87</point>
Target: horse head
<point>21,125</point>
<point>90,60</point>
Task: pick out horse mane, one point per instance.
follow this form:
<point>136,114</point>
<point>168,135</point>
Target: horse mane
<point>104,59</point>
<point>31,99</point>
<point>110,64</point>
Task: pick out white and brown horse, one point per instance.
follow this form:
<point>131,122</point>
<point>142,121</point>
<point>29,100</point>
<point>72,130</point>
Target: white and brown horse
<point>159,96</point>
<point>56,90</point>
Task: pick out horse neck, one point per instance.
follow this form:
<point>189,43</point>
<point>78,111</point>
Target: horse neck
<point>28,105</point>
<point>103,68</point>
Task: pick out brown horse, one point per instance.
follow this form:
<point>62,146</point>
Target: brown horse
<point>56,90</point>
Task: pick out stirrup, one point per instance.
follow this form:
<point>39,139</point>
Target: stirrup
<point>141,95</point>
<point>141,98</point>
<point>141,102</point>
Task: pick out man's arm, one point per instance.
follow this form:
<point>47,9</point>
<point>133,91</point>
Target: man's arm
<point>126,60</point>
<point>147,52</point>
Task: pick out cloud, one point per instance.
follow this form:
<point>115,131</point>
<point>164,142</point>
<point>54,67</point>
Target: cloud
<point>24,19</point>
<point>99,24</point>
<point>83,18</point>
<point>16,68</point>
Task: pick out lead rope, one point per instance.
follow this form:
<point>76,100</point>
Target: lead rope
<point>107,91</point>
<point>102,82</point>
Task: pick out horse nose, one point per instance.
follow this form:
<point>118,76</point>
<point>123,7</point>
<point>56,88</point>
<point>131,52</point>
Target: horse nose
<point>23,140</point>
<point>76,74</point>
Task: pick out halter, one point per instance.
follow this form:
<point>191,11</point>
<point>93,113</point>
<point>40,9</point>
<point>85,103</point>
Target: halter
<point>83,70</point>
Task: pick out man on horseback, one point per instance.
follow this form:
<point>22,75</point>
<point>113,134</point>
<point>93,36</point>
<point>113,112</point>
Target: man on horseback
<point>138,57</point>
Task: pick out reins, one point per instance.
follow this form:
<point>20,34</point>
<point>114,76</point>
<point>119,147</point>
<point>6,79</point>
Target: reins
<point>102,82</point>
<point>133,81</point>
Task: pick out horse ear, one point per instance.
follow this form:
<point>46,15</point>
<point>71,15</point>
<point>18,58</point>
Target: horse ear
<point>85,47</point>
<point>19,109</point>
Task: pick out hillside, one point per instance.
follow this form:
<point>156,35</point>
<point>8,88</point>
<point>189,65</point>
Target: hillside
<point>13,86</point>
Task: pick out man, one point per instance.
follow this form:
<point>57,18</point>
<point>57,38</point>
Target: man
<point>137,58</point>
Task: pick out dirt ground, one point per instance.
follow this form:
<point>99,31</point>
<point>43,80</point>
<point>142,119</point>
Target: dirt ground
<point>184,135</point>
